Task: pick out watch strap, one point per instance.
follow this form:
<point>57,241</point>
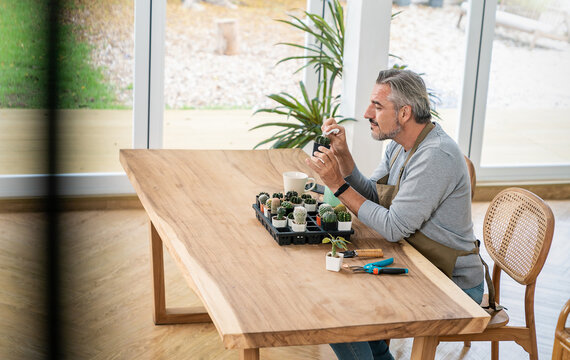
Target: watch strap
<point>341,189</point>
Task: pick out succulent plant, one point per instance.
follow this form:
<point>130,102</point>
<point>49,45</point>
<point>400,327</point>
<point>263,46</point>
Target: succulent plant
<point>310,201</point>
<point>329,217</point>
<point>281,213</point>
<point>277,195</point>
<point>344,216</point>
<point>268,204</point>
<point>275,202</point>
<point>263,198</point>
<point>339,208</point>
<point>323,140</point>
<point>290,194</point>
<point>290,216</point>
<point>306,196</point>
<point>287,204</point>
<point>295,200</point>
<point>324,208</point>
<point>337,243</point>
<point>263,193</point>
<point>300,215</point>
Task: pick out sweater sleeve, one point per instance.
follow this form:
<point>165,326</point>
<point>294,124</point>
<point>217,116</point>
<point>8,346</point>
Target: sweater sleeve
<point>427,180</point>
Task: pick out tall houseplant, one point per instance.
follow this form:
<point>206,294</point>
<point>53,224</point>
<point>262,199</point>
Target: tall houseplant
<point>327,59</point>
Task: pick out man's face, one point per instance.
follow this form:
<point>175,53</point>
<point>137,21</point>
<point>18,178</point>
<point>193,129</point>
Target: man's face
<point>382,115</point>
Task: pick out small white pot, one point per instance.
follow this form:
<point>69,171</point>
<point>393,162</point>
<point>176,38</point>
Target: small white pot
<point>334,263</point>
<point>297,205</point>
<point>311,207</point>
<point>344,225</point>
<point>290,222</point>
<point>266,211</point>
<point>278,223</point>
<point>298,227</point>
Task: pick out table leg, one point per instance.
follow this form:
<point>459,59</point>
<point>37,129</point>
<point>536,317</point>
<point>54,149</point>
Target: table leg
<point>424,348</point>
<point>161,314</point>
<point>249,354</point>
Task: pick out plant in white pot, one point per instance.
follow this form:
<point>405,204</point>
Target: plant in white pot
<point>279,220</point>
<point>296,201</point>
<point>310,204</point>
<point>300,219</point>
<point>262,199</point>
<point>344,221</point>
<point>323,208</point>
<point>267,208</point>
<point>275,203</point>
<point>290,219</point>
<point>334,258</point>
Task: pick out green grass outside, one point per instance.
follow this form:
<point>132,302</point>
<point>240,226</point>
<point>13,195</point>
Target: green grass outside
<point>23,62</point>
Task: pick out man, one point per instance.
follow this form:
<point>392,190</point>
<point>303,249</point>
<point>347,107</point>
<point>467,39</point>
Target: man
<point>420,191</point>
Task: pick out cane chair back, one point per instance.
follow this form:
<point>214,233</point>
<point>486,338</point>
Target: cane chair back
<point>561,348</point>
<point>517,232</point>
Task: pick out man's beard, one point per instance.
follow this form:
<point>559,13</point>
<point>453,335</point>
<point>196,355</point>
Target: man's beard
<point>385,136</point>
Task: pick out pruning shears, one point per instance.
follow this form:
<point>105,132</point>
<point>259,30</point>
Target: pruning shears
<point>379,267</point>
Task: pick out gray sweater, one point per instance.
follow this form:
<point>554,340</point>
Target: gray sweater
<point>434,197</point>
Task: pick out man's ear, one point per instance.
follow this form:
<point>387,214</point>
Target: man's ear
<point>405,114</point>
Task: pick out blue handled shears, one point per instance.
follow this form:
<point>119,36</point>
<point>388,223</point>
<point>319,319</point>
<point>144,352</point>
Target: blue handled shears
<point>379,267</point>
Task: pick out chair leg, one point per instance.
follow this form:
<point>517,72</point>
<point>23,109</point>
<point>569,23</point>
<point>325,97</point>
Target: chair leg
<point>494,350</point>
<point>467,343</point>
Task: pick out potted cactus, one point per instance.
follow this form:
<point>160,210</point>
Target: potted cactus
<point>279,220</point>
<point>296,201</point>
<point>323,208</point>
<point>267,208</point>
<point>290,194</point>
<point>310,204</point>
<point>261,199</point>
<point>339,208</point>
<point>299,219</point>
<point>344,221</point>
<point>290,218</point>
<point>306,196</point>
<point>321,141</point>
<point>334,258</point>
<point>329,221</point>
<point>277,195</point>
<point>288,206</point>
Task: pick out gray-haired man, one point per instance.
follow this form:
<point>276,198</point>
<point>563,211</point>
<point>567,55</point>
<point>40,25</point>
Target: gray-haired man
<point>420,191</point>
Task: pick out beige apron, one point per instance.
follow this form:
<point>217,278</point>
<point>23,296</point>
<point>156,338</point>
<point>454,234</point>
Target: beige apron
<point>442,256</point>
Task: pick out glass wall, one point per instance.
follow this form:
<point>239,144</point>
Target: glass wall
<point>431,42</point>
<point>220,64</point>
<point>527,120</point>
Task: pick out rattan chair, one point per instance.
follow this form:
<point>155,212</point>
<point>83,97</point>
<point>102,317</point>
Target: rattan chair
<point>517,232</point>
<point>561,348</point>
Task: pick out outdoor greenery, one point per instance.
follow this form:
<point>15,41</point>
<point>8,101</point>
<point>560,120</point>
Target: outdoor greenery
<point>23,62</point>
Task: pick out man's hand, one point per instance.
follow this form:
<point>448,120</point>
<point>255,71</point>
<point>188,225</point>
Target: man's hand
<point>339,146</point>
<point>326,165</point>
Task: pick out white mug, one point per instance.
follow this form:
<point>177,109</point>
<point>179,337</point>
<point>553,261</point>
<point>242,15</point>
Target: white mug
<point>296,181</point>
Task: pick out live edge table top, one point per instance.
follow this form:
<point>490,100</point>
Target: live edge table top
<point>260,294</point>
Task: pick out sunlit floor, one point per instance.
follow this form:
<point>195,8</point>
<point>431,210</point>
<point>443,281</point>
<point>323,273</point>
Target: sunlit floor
<point>89,140</point>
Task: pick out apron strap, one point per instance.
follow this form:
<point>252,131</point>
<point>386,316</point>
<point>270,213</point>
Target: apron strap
<point>420,138</point>
<point>492,307</point>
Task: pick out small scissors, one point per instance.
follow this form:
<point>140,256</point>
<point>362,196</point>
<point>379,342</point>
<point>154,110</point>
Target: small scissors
<point>378,267</point>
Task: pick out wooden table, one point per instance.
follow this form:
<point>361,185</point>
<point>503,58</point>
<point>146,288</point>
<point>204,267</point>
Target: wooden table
<point>259,294</point>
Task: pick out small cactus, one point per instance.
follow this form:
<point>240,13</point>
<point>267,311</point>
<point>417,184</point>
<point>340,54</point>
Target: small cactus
<point>287,204</point>
<point>344,216</point>
<point>268,204</point>
<point>281,213</point>
<point>339,208</point>
<point>323,140</point>
<point>300,215</point>
<point>277,195</point>
<point>290,194</point>
<point>263,198</point>
<point>310,201</point>
<point>329,217</point>
<point>263,193</point>
<point>306,196</point>
<point>324,208</point>
<point>295,200</point>
<point>290,216</point>
<point>275,203</point>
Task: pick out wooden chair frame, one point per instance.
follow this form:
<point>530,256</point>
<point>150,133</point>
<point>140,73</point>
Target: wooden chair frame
<point>525,336</point>
<point>561,346</point>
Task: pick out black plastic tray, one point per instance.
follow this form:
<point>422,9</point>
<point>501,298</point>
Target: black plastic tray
<point>284,236</point>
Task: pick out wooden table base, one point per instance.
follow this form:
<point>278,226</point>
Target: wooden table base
<point>161,314</point>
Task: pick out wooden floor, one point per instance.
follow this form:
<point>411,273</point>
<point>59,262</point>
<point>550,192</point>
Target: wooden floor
<point>107,306</point>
